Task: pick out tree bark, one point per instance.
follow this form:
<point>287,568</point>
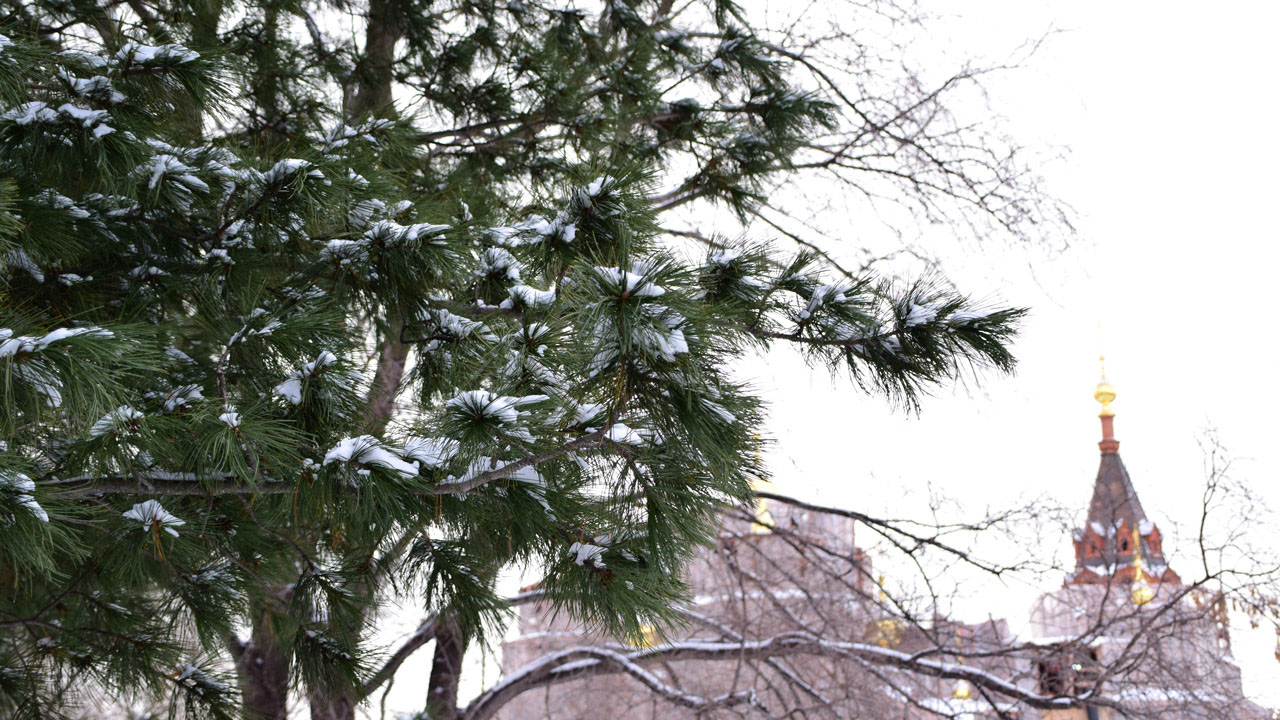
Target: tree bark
<point>331,706</point>
<point>446,671</point>
<point>373,89</point>
<point>386,380</point>
<point>263,666</point>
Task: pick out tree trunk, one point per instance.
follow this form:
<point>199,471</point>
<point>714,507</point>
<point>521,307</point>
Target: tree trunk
<point>386,381</point>
<point>335,706</point>
<point>384,30</point>
<point>263,666</point>
<point>446,671</point>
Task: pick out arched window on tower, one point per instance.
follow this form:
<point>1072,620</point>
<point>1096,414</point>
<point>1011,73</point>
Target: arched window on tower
<point>1091,549</point>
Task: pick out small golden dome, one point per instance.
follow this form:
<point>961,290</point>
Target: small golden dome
<point>1105,392</point>
<point>886,633</point>
<point>647,638</point>
<point>962,691</point>
<point>1141,593</point>
<point>763,523</point>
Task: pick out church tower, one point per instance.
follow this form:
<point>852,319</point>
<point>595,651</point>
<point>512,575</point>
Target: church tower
<point>1091,625</point>
<point>1118,543</point>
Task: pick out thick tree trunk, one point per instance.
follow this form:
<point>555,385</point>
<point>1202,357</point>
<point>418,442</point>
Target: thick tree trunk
<point>386,380</point>
<point>446,671</point>
<point>263,666</point>
<point>331,706</point>
<point>384,30</point>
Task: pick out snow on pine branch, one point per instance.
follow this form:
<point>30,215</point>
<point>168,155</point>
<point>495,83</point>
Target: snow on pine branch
<point>431,452</point>
<point>96,87</point>
<point>11,346</point>
<point>904,337</point>
<point>21,491</point>
<point>291,389</point>
<point>67,115</point>
<point>133,53</point>
<point>526,296</point>
<point>153,516</point>
<point>625,283</point>
<point>24,356</point>
<point>182,397</point>
<point>230,417</point>
<point>594,200</point>
<point>122,418</point>
<point>444,326</point>
<point>367,450</point>
<point>482,405</point>
<point>382,234</point>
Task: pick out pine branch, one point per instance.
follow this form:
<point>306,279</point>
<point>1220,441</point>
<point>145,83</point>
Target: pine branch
<point>190,484</point>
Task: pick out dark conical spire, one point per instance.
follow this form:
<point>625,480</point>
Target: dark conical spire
<point>1118,541</point>
<point>1114,499</point>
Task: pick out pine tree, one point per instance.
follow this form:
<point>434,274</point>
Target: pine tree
<point>296,322</point>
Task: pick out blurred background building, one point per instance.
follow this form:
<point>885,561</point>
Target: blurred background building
<point>1123,630</point>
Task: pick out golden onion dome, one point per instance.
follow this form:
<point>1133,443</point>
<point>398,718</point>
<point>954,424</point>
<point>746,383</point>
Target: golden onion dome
<point>1141,592</point>
<point>646,638</point>
<point>962,691</point>
<point>1105,392</point>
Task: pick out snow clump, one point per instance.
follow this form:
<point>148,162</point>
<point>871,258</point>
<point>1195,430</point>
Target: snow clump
<point>629,284</point>
<point>122,418</point>
<point>920,314</point>
<point>152,515</point>
<point>825,295</point>
<point>367,450</point>
<point>10,345</point>
<point>529,297</point>
<point>133,53</point>
<point>432,452</point>
<point>291,389</point>
<point>584,553</point>
<point>182,397</point>
<point>483,404</point>
<point>23,491</point>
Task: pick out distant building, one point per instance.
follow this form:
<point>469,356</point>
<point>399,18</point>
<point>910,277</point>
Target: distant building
<point>759,583</point>
<point>1181,665</point>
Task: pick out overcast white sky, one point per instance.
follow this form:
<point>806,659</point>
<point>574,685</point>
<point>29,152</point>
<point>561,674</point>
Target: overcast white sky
<point>1169,111</point>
